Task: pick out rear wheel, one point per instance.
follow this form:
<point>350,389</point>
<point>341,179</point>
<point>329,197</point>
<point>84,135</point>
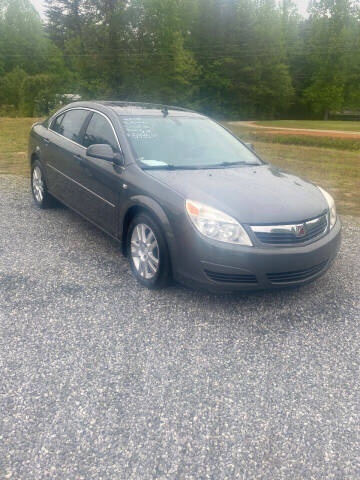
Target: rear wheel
<point>149,258</point>
<point>38,186</point>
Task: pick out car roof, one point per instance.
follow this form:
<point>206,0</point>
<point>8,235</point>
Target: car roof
<point>137,108</point>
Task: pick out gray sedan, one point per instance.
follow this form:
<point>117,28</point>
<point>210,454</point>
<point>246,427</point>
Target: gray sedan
<point>186,199</point>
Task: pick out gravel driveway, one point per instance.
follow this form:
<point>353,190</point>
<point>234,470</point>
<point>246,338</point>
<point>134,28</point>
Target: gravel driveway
<point>102,379</point>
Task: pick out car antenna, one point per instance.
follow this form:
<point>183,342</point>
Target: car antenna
<point>165,111</point>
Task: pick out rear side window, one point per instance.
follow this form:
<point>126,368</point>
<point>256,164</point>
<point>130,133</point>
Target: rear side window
<point>56,125</point>
<point>71,124</point>
<point>99,131</point>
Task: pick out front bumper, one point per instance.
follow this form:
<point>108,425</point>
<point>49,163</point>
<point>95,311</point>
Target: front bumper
<point>225,267</point>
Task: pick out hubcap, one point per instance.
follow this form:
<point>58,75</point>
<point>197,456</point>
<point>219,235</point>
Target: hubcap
<point>38,184</point>
<point>145,251</point>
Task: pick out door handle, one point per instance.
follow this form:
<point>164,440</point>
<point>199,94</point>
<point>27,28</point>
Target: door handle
<point>46,141</point>
<point>78,158</point>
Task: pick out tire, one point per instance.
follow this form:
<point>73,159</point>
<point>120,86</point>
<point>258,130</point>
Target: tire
<point>41,196</point>
<point>148,252</point>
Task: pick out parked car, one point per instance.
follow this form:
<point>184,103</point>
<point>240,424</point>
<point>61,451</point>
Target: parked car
<point>186,198</point>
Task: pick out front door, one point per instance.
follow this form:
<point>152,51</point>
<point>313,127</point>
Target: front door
<point>100,179</point>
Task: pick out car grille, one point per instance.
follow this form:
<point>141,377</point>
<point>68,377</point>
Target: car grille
<point>296,275</point>
<point>291,234</point>
<point>231,277</point>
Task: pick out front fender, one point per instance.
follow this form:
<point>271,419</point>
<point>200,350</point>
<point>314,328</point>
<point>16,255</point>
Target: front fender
<point>154,209</point>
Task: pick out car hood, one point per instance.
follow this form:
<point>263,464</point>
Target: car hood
<point>255,195</point>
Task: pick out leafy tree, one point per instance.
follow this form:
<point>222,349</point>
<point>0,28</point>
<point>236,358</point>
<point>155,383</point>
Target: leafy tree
<point>329,44</point>
<point>231,58</point>
<point>159,65</point>
<point>22,40</point>
<point>270,83</point>
<point>25,53</point>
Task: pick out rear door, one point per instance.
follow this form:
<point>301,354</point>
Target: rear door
<point>64,152</point>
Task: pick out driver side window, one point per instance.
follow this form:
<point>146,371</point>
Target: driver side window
<point>99,131</point>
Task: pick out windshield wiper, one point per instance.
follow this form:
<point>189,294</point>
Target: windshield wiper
<point>227,164</point>
<point>157,167</point>
<point>169,166</point>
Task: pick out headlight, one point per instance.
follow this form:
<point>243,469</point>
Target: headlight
<point>216,225</point>
<point>332,209</point>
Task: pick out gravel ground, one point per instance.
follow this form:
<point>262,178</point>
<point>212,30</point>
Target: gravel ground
<point>102,379</point>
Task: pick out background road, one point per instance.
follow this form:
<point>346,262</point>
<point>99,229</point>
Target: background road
<point>102,379</point>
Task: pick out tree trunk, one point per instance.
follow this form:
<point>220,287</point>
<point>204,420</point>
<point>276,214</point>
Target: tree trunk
<point>326,114</point>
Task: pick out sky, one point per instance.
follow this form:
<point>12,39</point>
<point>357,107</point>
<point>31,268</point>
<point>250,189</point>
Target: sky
<point>39,5</point>
<point>301,4</point>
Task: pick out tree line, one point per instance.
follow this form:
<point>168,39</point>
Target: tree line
<point>228,58</point>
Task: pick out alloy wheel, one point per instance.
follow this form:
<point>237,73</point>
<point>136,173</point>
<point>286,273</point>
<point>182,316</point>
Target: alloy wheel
<point>145,251</point>
<point>38,184</point>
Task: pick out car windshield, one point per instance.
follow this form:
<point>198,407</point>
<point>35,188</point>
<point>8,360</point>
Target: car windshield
<point>184,142</point>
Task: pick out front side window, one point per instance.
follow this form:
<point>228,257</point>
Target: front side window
<point>184,142</point>
<point>72,123</point>
<point>99,131</point>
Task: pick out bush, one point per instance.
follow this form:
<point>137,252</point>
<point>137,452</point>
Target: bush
<point>8,111</point>
<point>11,88</point>
<point>47,102</point>
<point>38,94</point>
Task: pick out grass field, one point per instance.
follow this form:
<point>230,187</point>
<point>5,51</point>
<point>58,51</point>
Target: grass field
<point>336,170</point>
<point>14,134</point>
<point>348,126</point>
<point>321,141</point>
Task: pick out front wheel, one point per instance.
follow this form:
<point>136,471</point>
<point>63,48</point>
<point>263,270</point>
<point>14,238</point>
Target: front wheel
<point>147,249</point>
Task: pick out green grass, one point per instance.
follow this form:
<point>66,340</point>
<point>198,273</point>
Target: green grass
<point>336,170</point>
<point>307,140</point>
<point>14,135</point>
<point>345,126</point>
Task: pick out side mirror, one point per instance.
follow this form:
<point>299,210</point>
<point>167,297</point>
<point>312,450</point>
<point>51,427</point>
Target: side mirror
<point>105,152</point>
<point>251,146</point>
